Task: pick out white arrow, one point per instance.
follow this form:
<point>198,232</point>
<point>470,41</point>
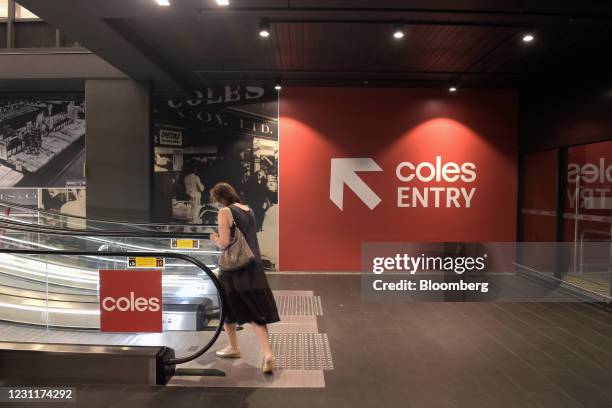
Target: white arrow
<point>343,171</point>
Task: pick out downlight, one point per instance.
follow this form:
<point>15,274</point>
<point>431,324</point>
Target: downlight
<point>278,87</point>
<point>163,3</point>
<point>264,29</point>
<point>398,31</point>
<point>223,3</point>
<point>527,38</point>
<point>452,89</point>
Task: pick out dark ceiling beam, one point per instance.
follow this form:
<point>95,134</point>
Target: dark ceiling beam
<point>409,22</point>
<point>75,19</point>
<point>340,78</point>
<point>485,13</point>
<point>317,72</point>
<point>42,64</point>
<point>383,82</point>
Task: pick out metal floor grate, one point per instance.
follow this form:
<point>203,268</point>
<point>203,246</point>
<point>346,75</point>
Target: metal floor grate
<point>301,351</point>
<point>300,305</point>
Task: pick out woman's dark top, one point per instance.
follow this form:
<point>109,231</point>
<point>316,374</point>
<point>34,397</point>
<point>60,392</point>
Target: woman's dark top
<point>249,298</point>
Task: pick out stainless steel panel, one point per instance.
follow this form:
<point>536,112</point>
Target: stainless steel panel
<point>69,364</point>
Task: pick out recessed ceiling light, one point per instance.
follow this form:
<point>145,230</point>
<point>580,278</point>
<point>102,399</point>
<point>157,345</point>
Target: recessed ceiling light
<point>163,2</point>
<point>223,2</point>
<point>452,89</point>
<point>528,38</point>
<point>398,31</point>
<point>264,29</point>
<point>278,87</point>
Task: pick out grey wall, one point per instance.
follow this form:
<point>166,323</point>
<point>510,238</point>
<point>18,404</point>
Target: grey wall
<point>119,149</point>
<point>71,64</point>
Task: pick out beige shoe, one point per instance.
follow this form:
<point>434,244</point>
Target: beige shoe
<point>268,366</point>
<point>228,354</point>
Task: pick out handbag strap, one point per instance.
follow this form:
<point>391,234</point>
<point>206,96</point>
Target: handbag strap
<point>229,210</point>
<point>233,224</point>
<point>233,220</point>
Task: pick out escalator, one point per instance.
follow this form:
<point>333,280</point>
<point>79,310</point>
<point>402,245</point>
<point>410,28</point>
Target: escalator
<point>50,300</point>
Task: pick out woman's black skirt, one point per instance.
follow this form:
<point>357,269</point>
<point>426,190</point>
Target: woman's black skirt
<point>249,297</point>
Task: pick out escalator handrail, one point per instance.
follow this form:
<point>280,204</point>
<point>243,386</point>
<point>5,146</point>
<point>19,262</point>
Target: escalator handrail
<point>202,266</point>
<point>47,229</point>
<point>4,203</point>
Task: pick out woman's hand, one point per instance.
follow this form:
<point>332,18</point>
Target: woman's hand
<point>214,237</point>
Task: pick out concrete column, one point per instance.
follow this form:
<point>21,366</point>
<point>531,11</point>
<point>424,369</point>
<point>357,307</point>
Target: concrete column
<point>119,149</point>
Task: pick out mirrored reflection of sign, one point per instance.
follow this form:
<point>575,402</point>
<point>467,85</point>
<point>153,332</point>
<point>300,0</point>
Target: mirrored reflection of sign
<point>138,262</point>
<point>130,301</point>
<point>589,176</point>
<point>184,243</point>
<point>588,203</point>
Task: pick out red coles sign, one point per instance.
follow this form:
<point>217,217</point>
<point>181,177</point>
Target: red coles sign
<point>130,301</point>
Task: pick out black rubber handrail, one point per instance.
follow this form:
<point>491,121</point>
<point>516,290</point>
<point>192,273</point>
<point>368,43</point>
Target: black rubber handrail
<point>9,204</point>
<point>202,266</point>
<point>47,229</point>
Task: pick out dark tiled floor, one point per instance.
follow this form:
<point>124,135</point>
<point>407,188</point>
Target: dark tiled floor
<point>424,355</point>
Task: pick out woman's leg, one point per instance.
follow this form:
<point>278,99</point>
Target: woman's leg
<point>262,333</point>
<point>230,330</point>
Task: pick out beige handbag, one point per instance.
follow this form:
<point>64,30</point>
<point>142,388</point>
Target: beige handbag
<point>238,253</point>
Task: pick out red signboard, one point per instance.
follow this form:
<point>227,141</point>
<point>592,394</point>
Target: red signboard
<point>393,165</point>
<point>130,301</point>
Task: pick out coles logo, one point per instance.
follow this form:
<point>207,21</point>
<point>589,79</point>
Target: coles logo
<point>443,184</point>
<point>130,301</point>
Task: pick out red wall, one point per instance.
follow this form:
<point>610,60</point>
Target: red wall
<point>391,126</point>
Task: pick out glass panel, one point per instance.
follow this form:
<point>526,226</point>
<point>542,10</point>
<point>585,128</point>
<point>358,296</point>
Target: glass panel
<point>30,236</point>
<point>54,297</point>
<point>23,215</point>
<point>539,175</point>
<point>588,214</point>
<point>22,12</point>
<point>538,214</point>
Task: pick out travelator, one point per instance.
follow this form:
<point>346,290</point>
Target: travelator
<point>50,298</point>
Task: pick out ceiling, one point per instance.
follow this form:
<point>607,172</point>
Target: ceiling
<point>474,43</point>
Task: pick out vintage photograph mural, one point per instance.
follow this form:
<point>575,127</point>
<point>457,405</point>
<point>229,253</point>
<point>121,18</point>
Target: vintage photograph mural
<point>228,134</point>
<point>42,153</point>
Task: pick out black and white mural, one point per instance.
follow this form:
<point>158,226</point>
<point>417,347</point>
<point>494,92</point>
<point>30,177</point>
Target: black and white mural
<point>229,135</point>
<point>42,152</point>
<point>42,142</point>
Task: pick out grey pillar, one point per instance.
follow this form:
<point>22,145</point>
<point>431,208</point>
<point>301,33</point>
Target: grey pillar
<point>119,149</point>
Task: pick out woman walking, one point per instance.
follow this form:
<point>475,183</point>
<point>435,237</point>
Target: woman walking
<point>249,298</point>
